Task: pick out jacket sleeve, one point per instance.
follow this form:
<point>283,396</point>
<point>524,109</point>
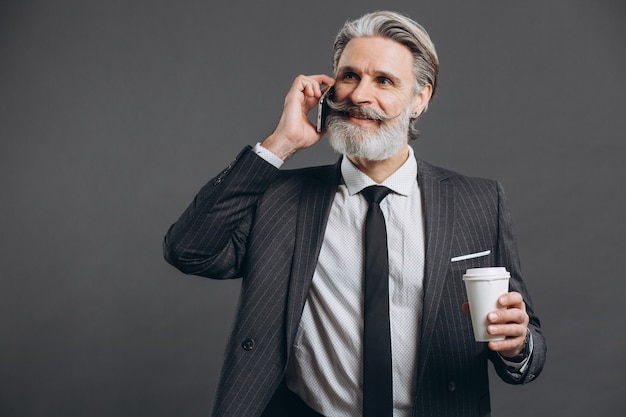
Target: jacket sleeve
<point>507,255</point>
<point>209,239</point>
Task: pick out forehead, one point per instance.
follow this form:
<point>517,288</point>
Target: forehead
<point>376,54</point>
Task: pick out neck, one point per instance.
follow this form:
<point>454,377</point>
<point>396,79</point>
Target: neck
<point>379,171</point>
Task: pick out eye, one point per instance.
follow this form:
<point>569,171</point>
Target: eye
<point>385,81</point>
<point>349,76</point>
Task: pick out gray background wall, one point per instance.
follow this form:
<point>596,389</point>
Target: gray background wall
<point>114,113</point>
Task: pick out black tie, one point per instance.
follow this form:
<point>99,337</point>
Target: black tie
<point>377,385</point>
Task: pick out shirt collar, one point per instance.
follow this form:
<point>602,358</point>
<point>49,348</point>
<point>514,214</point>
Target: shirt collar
<point>400,182</point>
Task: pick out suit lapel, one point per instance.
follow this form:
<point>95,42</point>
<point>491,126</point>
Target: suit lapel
<point>314,208</point>
<point>438,206</point>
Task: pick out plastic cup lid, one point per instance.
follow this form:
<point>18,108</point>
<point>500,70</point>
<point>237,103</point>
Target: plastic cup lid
<point>487,273</point>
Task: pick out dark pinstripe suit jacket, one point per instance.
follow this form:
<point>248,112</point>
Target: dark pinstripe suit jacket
<point>266,225</point>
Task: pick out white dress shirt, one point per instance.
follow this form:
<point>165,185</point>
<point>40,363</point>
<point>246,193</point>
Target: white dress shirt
<point>326,367</point>
<point>327,364</point>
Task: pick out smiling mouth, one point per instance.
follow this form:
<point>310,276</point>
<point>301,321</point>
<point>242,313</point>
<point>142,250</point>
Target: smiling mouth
<point>360,116</point>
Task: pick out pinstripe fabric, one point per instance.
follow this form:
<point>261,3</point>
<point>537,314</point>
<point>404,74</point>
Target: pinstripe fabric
<point>315,205</point>
<point>265,225</point>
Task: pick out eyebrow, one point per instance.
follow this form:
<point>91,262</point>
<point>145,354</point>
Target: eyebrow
<point>377,73</point>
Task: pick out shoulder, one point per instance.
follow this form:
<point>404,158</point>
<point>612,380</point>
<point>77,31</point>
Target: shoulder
<point>439,173</point>
<point>463,183</point>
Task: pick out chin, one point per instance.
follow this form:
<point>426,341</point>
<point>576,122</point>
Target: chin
<point>365,147</point>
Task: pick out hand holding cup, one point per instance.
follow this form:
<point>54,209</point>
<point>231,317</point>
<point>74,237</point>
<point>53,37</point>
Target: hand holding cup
<point>498,316</point>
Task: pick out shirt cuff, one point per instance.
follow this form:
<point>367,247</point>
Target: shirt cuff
<point>268,155</point>
<point>517,369</point>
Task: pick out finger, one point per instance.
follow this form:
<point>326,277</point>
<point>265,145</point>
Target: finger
<point>323,79</point>
<point>311,89</point>
<point>311,85</point>
<point>511,299</point>
<point>511,346</point>
<point>466,308</point>
<point>306,85</point>
<point>510,315</point>
<point>507,330</point>
<point>302,95</point>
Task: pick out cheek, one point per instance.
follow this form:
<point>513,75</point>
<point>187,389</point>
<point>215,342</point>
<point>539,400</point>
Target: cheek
<point>396,103</point>
<point>342,92</point>
<point>392,105</point>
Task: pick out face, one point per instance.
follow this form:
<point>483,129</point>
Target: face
<point>375,96</point>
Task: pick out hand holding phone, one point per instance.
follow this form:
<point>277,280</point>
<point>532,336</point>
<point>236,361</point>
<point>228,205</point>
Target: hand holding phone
<point>293,131</point>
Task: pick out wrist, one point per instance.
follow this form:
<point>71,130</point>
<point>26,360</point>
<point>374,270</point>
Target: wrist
<point>279,146</point>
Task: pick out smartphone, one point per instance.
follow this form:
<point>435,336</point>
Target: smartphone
<point>323,110</point>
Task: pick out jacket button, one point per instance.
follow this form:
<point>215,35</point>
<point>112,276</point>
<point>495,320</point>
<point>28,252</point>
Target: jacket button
<point>248,344</point>
<point>451,386</point>
<point>218,180</point>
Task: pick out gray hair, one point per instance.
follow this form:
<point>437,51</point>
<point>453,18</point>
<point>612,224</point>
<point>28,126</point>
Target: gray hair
<point>402,29</point>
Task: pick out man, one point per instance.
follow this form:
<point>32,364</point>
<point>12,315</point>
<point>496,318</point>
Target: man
<point>303,328</point>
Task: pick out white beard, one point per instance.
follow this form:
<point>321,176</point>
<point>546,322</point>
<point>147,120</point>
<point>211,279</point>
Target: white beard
<point>357,141</point>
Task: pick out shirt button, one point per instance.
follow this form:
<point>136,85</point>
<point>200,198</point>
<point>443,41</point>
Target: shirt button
<point>248,344</point>
<point>451,386</point>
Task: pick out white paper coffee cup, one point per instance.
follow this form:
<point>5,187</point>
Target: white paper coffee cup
<point>484,286</point>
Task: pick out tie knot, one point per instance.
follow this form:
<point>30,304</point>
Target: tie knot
<point>375,193</point>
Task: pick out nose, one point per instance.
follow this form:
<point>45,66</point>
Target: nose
<point>363,93</point>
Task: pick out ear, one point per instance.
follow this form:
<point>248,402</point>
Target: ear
<point>420,100</point>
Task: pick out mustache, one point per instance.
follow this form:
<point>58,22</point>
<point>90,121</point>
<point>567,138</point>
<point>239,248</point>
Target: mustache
<point>347,107</point>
